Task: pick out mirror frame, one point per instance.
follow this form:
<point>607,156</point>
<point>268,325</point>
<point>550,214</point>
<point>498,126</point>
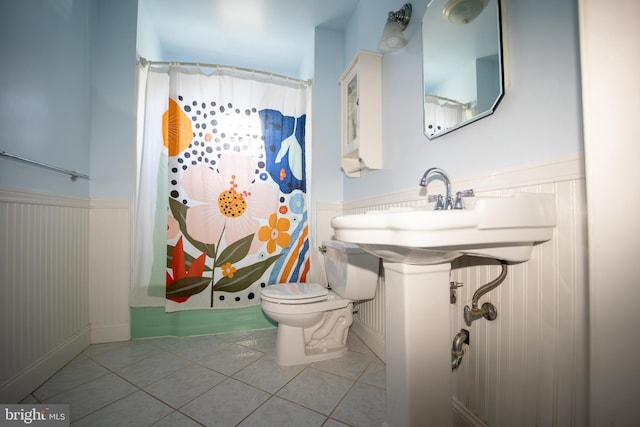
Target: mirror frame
<point>502,78</point>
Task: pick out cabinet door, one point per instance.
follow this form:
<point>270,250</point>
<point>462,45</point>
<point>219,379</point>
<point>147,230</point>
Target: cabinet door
<point>361,114</point>
<point>352,115</point>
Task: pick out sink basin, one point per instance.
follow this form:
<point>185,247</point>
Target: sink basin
<point>504,228</point>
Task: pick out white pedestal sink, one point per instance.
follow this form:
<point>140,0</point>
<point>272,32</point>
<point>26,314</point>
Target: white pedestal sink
<point>417,246</point>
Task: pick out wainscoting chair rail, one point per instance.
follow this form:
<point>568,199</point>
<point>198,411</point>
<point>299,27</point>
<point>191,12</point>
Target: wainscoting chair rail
<point>72,174</point>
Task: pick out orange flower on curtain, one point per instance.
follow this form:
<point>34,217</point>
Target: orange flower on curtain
<point>176,129</point>
<point>275,233</point>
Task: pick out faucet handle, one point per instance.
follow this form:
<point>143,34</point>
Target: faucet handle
<point>439,199</point>
<point>440,203</point>
<point>459,204</point>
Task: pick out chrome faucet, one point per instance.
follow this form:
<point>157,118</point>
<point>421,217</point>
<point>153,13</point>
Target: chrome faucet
<point>438,173</point>
<point>446,202</point>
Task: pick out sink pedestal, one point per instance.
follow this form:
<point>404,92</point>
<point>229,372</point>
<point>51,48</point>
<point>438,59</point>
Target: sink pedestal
<point>417,246</point>
<point>418,345</point>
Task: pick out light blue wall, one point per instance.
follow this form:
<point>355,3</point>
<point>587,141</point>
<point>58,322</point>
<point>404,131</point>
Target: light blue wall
<point>67,95</point>
<point>326,178</point>
<point>113,65</point>
<point>220,50</point>
<point>147,41</point>
<point>538,119</point>
<point>45,105</point>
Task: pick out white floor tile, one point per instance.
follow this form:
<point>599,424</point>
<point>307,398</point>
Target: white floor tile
<point>226,404</point>
<point>364,405</point>
<point>137,409</point>
<point>351,365</point>
<point>235,336</point>
<point>176,419</point>
<point>193,348</point>
<point>375,374</point>
<point>264,341</point>
<point>279,412</point>
<point>355,344</point>
<point>231,359</point>
<point>94,395</point>
<point>95,350</point>
<point>267,375</point>
<point>334,423</point>
<point>184,385</point>
<point>317,390</point>
<point>30,400</point>
<point>125,355</point>
<point>187,382</point>
<point>79,371</point>
<point>151,369</point>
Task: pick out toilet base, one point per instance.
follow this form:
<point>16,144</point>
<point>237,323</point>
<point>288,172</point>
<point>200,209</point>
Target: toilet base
<point>325,340</point>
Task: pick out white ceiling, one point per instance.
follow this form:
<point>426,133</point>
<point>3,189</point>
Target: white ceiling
<point>271,35</point>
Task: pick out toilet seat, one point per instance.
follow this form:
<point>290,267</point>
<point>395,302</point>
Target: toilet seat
<point>332,301</point>
<point>295,293</point>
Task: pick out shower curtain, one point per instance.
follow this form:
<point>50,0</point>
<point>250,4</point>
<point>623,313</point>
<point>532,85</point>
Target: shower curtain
<point>442,113</point>
<point>222,198</point>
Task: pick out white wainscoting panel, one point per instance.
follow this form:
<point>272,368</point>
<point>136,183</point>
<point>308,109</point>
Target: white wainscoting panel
<point>529,366</point>
<point>44,275</point>
<point>110,272</point>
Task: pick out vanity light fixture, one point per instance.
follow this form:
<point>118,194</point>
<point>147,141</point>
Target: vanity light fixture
<point>463,11</point>
<point>392,37</point>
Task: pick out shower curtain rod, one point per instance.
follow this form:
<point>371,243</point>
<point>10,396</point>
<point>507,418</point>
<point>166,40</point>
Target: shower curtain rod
<point>72,174</point>
<point>442,98</point>
<point>145,62</point>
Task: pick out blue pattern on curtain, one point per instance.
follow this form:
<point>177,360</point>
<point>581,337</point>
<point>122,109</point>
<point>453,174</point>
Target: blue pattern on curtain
<point>285,153</point>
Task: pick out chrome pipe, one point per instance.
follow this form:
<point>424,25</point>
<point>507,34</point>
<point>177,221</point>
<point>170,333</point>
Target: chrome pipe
<point>488,310</point>
<point>457,352</point>
<point>489,286</point>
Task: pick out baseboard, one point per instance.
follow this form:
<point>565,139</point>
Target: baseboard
<point>110,333</point>
<point>369,337</point>
<point>18,387</point>
<point>464,417</point>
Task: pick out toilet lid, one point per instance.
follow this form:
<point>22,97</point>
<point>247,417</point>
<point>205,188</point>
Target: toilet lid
<point>295,291</point>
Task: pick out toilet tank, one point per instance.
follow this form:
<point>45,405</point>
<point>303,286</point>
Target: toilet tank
<point>352,273</point>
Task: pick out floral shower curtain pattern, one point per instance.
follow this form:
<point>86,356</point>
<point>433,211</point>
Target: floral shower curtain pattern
<point>236,185</point>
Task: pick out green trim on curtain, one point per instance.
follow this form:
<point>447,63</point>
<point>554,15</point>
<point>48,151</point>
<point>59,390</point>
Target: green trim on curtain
<point>157,284</point>
<point>149,322</point>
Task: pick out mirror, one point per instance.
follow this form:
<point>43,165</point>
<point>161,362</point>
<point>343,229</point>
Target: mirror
<point>461,63</point>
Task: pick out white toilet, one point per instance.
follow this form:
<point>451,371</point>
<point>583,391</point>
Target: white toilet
<point>313,321</point>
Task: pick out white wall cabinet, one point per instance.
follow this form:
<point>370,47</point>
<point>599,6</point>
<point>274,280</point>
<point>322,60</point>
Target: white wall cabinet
<point>361,121</point>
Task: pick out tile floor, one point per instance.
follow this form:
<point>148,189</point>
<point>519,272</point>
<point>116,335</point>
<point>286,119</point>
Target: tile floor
<point>216,380</point>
